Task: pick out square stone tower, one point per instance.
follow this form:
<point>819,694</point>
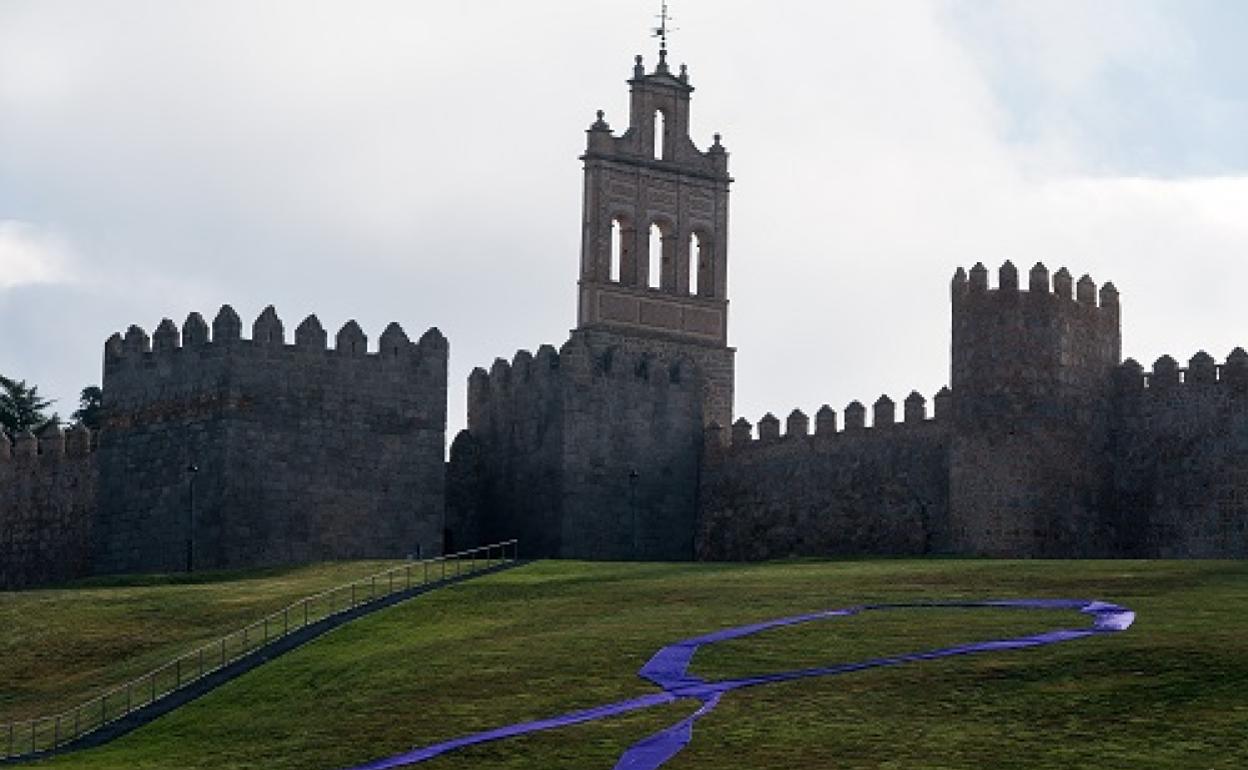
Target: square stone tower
<point>593,451</point>
<point>654,245</point>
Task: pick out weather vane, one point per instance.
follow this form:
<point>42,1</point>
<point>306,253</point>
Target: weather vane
<point>661,31</point>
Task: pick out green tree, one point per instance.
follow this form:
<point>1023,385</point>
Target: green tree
<point>90,404</point>
<point>22,408</point>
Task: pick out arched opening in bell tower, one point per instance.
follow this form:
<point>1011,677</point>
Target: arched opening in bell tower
<point>660,135</point>
<point>695,260</point>
<point>617,249</point>
<point>700,254</point>
<point>655,260</point>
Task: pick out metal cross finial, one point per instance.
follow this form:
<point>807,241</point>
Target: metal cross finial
<point>661,31</point>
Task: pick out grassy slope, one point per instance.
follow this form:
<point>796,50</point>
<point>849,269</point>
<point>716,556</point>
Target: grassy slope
<point>60,646</point>
<point>1171,692</point>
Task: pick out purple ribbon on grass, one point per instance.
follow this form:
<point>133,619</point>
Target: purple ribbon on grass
<point>669,669</point>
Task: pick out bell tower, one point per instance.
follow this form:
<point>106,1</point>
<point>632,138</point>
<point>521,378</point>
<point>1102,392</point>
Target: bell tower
<point>654,244</point>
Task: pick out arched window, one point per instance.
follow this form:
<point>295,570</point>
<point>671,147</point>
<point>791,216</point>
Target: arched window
<point>617,248</point>
<point>695,261</point>
<point>660,134</point>
<point>700,255</point>
<point>656,256</point>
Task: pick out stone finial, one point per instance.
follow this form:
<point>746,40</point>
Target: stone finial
<point>78,440</point>
<point>194,330</point>
<point>25,445</point>
<point>268,328</point>
<point>522,365</point>
<point>166,337</point>
<point>825,421</point>
<point>433,341</point>
<point>1201,368</point>
<point>798,424</point>
<point>884,412</point>
<point>136,341</point>
<point>1063,284</point>
<point>546,360</point>
<point>1038,279</point>
<point>957,286</point>
<point>1235,371</point>
<point>742,432</point>
<point>1007,277</point>
<point>227,326</point>
<point>855,416</point>
<point>1085,290</point>
<point>393,342</point>
<point>1109,295</point>
<point>769,428</point>
<point>52,441</point>
<point>350,340</point>
<point>478,386</point>
<point>915,407</point>
<point>1129,377</point>
<point>310,335</point>
<point>1165,372</point>
<point>979,278</point>
<point>600,124</point>
<point>639,70</point>
<point>500,372</point>
<point>113,346</point>
<point>943,404</point>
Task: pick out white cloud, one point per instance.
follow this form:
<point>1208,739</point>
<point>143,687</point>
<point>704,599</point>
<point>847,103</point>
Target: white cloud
<point>387,162</point>
<point>29,255</point>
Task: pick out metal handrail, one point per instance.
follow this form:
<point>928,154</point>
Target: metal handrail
<point>44,734</point>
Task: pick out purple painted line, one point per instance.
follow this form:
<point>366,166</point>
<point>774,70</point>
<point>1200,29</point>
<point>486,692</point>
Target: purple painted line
<point>669,669</point>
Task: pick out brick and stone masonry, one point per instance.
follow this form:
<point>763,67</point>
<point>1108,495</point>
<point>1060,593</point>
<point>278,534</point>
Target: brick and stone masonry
<point>621,445</point>
<point>304,452</point>
<point>47,498</point>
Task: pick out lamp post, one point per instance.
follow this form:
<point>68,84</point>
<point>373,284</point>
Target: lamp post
<point>633,475</point>
<point>192,469</point>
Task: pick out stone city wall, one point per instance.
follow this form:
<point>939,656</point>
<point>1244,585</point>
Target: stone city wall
<point>591,452</point>
<point>1181,457</point>
<point>858,491</point>
<point>47,498</point>
<point>304,452</point>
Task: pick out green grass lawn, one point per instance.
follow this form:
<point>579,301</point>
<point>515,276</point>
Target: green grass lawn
<point>1172,692</point>
<point>61,646</point>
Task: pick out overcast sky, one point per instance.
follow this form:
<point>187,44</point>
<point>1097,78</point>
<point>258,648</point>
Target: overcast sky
<point>417,161</point>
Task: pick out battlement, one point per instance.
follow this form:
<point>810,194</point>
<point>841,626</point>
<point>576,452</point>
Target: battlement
<point>53,444</point>
<point>1083,293</point>
<point>576,360</point>
<point>268,334</point>
<point>1167,378</point>
<point>797,425</point>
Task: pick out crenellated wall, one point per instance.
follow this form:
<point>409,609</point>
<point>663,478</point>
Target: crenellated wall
<point>860,490</point>
<point>1181,457</point>
<point>590,452</point>
<point>1030,373</point>
<point>47,497</point>
<point>303,451</point>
